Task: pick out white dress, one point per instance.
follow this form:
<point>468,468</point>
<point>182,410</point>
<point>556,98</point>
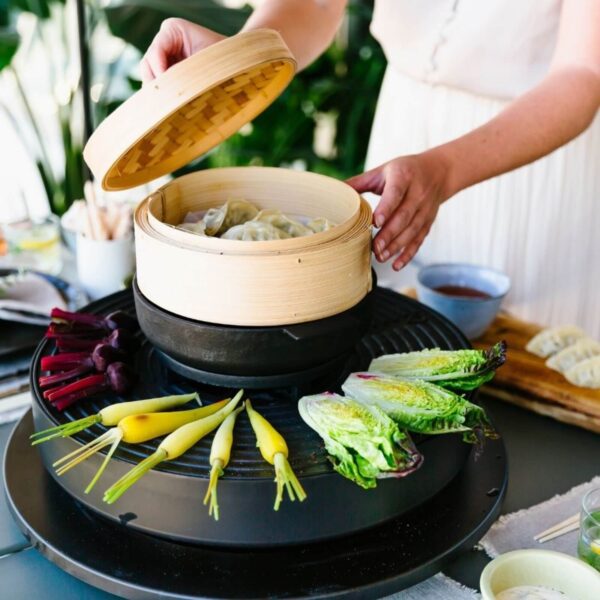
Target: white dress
<point>453,65</point>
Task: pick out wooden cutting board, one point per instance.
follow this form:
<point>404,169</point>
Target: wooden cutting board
<point>526,381</point>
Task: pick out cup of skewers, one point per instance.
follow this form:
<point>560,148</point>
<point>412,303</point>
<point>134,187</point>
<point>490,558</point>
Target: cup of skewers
<point>104,246</point>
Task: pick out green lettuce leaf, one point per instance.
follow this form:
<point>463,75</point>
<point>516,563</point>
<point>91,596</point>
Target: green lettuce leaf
<point>419,406</point>
<point>454,369</point>
<point>363,442</point>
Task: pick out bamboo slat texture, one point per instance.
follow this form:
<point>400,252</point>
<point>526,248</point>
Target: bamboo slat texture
<point>189,109</point>
<point>254,283</point>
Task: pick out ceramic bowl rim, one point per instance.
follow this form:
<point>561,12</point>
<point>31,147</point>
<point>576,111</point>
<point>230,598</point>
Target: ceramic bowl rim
<point>487,573</point>
<point>471,267</point>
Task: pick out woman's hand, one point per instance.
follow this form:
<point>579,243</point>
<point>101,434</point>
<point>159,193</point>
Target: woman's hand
<point>412,189</point>
<point>177,39</point>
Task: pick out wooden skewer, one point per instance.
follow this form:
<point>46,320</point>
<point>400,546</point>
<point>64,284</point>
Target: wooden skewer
<point>98,228</point>
<point>559,532</point>
<point>123,225</point>
<point>112,216</point>
<point>557,527</point>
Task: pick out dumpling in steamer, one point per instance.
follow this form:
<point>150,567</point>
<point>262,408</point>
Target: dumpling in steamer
<point>586,373</point>
<point>551,341</point>
<point>198,227</point>
<point>254,231</point>
<point>233,212</point>
<point>238,212</point>
<point>193,216</point>
<point>581,350</point>
<point>320,224</point>
<point>276,218</point>
<point>213,220</point>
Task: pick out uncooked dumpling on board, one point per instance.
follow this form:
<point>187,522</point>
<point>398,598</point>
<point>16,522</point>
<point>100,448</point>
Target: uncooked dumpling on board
<point>257,231</point>
<point>586,373</point>
<point>553,340</point>
<point>575,353</point>
<point>276,218</point>
<point>320,224</point>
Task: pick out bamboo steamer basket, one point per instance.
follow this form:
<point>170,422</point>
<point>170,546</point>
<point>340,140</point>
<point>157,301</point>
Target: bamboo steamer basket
<point>182,114</point>
<point>254,283</point>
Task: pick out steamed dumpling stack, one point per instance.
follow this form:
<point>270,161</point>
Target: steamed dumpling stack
<point>570,352</point>
<point>239,219</point>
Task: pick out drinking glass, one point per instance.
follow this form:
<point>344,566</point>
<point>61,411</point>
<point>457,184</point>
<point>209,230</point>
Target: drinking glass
<point>588,547</point>
<point>32,244</point>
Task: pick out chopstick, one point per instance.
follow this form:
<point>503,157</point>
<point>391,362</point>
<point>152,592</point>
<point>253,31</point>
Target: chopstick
<point>566,526</point>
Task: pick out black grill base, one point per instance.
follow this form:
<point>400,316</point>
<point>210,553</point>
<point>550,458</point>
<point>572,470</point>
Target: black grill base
<point>335,506</point>
<point>380,561</point>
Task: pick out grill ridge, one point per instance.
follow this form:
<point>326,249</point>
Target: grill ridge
<point>399,324</point>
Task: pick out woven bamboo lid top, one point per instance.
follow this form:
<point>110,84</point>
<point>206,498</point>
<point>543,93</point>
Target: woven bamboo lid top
<point>189,109</point>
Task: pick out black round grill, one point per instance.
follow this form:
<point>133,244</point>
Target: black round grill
<point>399,324</point>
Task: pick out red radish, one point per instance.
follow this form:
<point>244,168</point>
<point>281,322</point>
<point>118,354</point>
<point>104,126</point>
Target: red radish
<point>73,364</point>
<point>114,320</point>
<point>118,378</point>
<point>121,339</point>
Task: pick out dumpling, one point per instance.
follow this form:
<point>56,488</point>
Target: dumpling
<point>276,218</point>
<point>237,212</point>
<point>233,212</point>
<point>581,350</point>
<point>213,219</point>
<point>193,216</point>
<point>586,373</point>
<point>254,231</point>
<point>197,228</point>
<point>320,224</point>
<point>553,340</point>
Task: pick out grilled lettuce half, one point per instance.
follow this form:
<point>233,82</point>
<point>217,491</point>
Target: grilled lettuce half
<point>419,406</point>
<point>462,370</point>
<point>364,444</point>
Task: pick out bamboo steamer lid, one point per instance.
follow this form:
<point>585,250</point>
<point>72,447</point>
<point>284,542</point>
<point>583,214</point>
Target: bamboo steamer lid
<point>189,109</point>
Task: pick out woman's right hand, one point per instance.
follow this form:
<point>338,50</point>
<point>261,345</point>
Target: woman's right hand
<point>177,39</point>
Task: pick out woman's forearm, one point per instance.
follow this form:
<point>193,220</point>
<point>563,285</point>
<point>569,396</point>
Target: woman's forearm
<point>550,115</point>
<point>307,26</point>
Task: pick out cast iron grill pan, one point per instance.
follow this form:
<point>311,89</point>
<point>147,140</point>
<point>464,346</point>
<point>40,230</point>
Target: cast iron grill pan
<point>335,506</point>
<point>252,351</point>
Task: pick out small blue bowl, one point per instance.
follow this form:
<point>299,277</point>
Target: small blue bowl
<point>470,314</point>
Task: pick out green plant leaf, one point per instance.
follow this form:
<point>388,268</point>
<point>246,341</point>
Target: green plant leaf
<point>137,21</point>
<point>9,43</point>
<point>40,8</point>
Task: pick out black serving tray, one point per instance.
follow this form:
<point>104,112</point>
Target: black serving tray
<point>371,564</point>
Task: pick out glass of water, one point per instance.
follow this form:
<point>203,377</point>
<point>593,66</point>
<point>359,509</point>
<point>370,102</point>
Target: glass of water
<point>588,547</point>
<point>32,244</point>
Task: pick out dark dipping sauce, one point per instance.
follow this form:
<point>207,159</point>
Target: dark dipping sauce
<point>462,291</point>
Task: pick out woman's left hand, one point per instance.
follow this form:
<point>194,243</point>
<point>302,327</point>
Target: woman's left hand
<point>412,188</point>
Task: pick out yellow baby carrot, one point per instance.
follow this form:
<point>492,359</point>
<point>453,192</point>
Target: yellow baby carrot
<point>274,450</point>
<point>220,452</point>
<point>112,414</point>
<point>173,446</point>
<point>133,429</point>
